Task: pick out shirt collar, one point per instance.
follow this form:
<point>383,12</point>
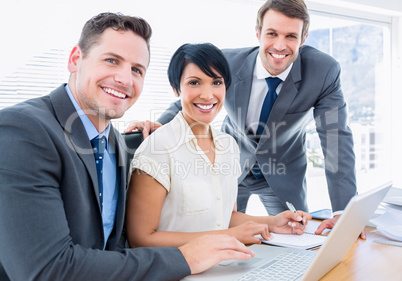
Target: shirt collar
<point>216,137</point>
<point>262,73</point>
<point>89,127</point>
<point>190,137</point>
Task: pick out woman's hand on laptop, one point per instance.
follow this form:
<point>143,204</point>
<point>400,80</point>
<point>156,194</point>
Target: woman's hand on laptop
<point>246,232</point>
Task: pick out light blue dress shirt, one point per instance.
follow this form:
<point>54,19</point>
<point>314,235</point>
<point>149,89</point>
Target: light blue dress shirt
<point>110,184</point>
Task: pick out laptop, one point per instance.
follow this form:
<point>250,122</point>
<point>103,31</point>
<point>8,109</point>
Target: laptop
<point>341,238</point>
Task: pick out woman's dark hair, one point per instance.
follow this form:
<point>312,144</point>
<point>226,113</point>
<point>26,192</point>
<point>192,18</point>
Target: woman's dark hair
<point>205,55</point>
<point>94,28</point>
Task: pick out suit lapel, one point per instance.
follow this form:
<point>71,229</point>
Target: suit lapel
<point>242,88</point>
<point>74,132</point>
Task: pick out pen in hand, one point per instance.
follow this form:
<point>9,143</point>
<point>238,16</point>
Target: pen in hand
<point>292,208</point>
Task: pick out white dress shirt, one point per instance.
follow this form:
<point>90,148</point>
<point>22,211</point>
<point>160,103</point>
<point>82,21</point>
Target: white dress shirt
<point>201,195</point>
<point>259,89</point>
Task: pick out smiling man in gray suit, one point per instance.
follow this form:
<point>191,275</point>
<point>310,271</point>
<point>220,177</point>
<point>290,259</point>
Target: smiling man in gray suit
<point>56,223</point>
<point>273,157</point>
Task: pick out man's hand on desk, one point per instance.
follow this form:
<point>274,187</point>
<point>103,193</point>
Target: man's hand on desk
<point>330,223</point>
<point>144,126</point>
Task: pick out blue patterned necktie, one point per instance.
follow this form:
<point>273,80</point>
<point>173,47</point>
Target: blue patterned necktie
<point>99,145</point>
<point>269,101</point>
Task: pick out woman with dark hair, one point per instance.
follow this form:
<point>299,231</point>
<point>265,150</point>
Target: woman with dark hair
<point>184,176</point>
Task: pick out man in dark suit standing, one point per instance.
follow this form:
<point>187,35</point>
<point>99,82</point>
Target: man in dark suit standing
<point>62,218</point>
<point>273,155</point>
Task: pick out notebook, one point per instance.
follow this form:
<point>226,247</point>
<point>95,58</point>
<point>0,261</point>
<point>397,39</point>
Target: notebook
<point>339,241</point>
<point>308,240</point>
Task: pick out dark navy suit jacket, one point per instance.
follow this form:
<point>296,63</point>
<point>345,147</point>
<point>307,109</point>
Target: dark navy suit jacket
<point>50,217</point>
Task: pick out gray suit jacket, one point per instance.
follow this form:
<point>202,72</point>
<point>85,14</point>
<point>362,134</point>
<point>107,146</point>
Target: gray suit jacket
<point>313,83</point>
<point>50,218</point>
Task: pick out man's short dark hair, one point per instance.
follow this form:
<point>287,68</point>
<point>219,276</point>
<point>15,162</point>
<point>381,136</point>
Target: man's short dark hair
<point>94,28</point>
<point>290,8</point>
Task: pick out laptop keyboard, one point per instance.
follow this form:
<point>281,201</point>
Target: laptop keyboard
<point>287,266</point>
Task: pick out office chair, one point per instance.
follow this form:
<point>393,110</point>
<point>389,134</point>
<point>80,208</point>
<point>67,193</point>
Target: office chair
<point>133,141</point>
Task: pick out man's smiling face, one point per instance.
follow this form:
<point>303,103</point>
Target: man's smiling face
<point>280,40</point>
<point>109,79</point>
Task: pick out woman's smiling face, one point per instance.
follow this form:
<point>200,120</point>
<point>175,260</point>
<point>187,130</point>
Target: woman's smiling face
<point>202,96</point>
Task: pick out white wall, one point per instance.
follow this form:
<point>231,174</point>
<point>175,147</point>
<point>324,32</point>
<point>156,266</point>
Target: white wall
<point>386,6</point>
<point>392,5</point>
